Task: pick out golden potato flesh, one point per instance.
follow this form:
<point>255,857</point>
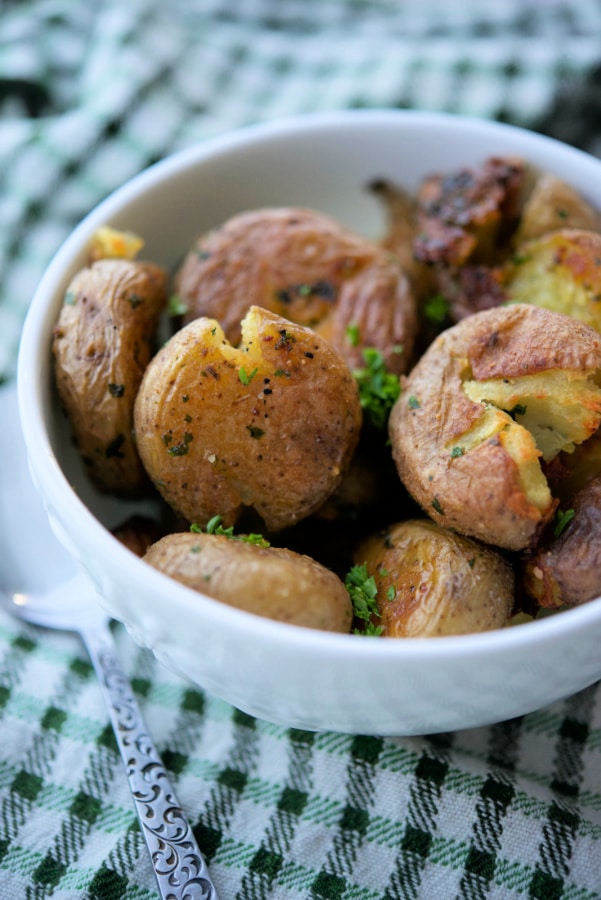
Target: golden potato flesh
<point>308,268</point>
<point>268,581</point>
<point>457,435</point>
<point>102,344</point>
<point>560,271</point>
<point>432,582</point>
<point>270,425</point>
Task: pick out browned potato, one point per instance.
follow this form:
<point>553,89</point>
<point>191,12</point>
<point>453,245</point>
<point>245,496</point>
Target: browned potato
<point>553,205</point>
<point>560,271</point>
<point>268,581</point>
<point>270,425</point>
<point>567,569</point>
<point>432,582</point>
<point>102,344</point>
<point>489,398</point>
<point>305,267</point>
<point>137,533</point>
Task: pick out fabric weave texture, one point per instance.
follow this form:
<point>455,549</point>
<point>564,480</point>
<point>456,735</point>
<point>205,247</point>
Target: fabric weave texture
<point>90,94</point>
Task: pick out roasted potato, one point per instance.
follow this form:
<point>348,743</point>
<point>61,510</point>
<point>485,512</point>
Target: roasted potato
<point>489,398</point>
<point>102,344</point>
<point>553,205</point>
<point>566,569</point>
<point>432,582</point>
<point>268,581</point>
<point>560,271</point>
<point>270,425</point>
<point>309,269</point>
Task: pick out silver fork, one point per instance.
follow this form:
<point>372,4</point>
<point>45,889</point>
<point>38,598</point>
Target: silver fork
<point>71,604</point>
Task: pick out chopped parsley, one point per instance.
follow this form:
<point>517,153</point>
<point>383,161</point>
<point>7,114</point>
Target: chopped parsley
<point>255,432</point>
<point>70,298</point>
<point>182,448</point>
<point>246,377</point>
<point>378,388</point>
<point>352,334</point>
<point>436,309</point>
<point>457,451</point>
<point>436,505</point>
<point>413,402</point>
<point>214,526</point>
<point>562,520</point>
<point>116,390</point>
<point>362,590</point>
<point>176,306</point>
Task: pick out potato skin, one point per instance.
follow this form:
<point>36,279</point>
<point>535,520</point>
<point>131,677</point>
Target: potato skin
<point>268,581</point>
<point>553,205</point>
<point>102,344</point>
<point>481,492</point>
<point>270,425</point>
<point>432,582</point>
<point>567,570</point>
<point>308,268</point>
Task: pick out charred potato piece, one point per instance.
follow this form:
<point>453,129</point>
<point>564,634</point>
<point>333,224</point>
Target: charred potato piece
<point>467,215</point>
<point>305,267</point>
<point>102,344</point>
<point>270,425</point>
<point>489,398</point>
<point>560,271</point>
<point>432,582</point>
<point>268,581</point>
<point>566,570</point>
<point>553,205</point>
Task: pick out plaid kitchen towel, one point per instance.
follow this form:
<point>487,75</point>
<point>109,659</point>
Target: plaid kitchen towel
<point>90,94</point>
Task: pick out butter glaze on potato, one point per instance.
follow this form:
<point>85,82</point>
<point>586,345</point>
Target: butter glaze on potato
<point>271,424</point>
<point>432,582</point>
<point>471,461</point>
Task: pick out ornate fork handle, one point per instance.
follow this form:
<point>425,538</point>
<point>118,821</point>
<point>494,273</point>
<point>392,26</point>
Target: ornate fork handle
<point>179,867</point>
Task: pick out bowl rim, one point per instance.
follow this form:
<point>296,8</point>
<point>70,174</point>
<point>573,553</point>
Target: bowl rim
<point>53,483</point>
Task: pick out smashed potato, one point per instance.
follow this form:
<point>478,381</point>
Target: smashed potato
<point>489,398</point>
<point>268,581</point>
<point>432,582</point>
<point>561,271</point>
<point>308,268</point>
<point>102,343</point>
<point>271,425</point>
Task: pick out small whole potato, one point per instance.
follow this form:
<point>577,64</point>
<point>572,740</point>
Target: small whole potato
<point>553,205</point>
<point>432,582</point>
<point>566,570</point>
<point>490,398</point>
<point>268,581</point>
<point>271,425</point>
<point>102,343</point>
<point>307,268</point>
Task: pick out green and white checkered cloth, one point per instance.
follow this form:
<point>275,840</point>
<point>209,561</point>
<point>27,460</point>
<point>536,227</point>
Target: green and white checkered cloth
<point>89,95</point>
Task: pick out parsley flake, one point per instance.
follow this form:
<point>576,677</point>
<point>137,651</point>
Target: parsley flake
<point>562,520</point>
<point>362,590</point>
<point>378,388</point>
<point>214,526</point>
<point>246,377</point>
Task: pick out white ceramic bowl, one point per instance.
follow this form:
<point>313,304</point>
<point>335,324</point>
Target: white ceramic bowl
<point>289,675</point>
